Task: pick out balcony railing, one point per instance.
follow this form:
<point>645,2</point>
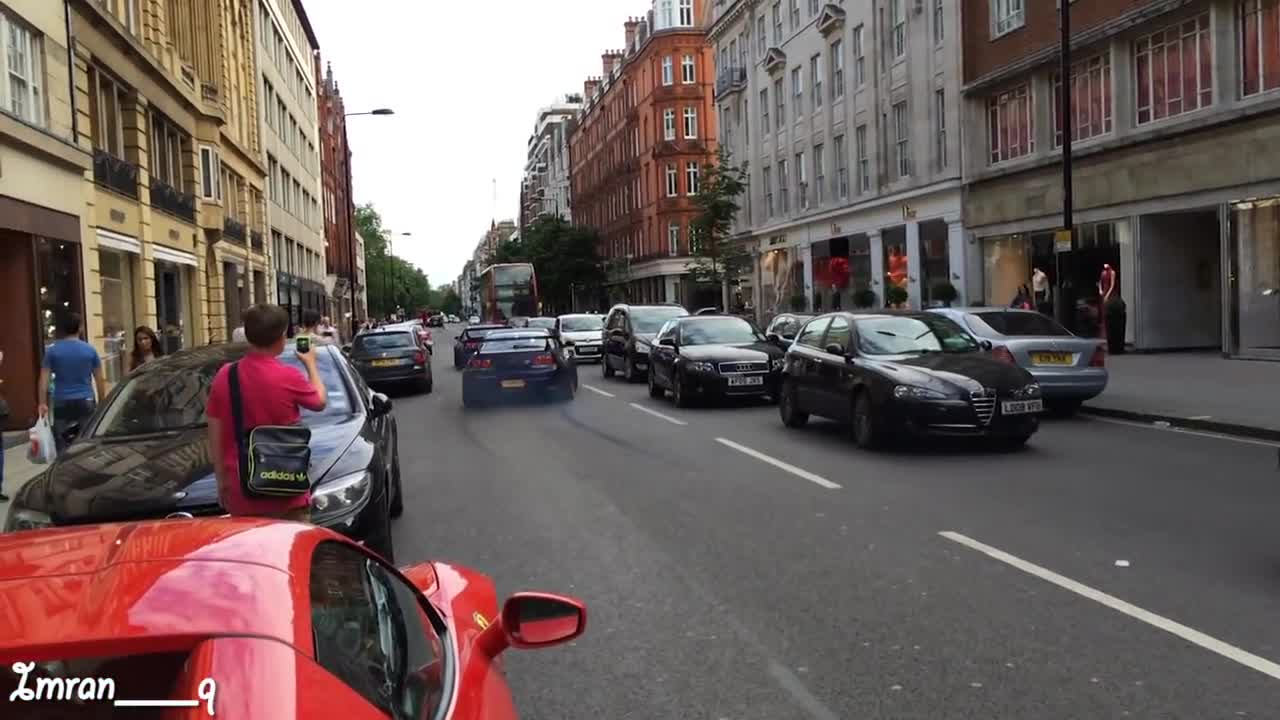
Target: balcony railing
<point>167,198</point>
<point>730,79</point>
<point>114,173</point>
<point>233,229</point>
<point>255,239</point>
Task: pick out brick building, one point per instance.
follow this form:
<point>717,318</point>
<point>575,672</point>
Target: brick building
<point>645,132</point>
<point>1175,148</point>
<point>343,281</point>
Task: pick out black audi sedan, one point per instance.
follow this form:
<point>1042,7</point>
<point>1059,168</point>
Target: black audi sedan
<point>518,363</point>
<point>712,357</point>
<point>468,343</point>
<point>905,373</point>
<point>395,356</point>
<point>144,453</point>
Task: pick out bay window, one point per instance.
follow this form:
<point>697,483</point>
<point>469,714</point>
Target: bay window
<point>1173,70</point>
<point>1090,99</point>
<point>1009,124</point>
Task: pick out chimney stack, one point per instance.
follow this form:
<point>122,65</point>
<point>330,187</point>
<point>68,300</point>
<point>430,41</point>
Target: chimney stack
<point>589,89</point>
<point>630,26</point>
<point>610,61</point>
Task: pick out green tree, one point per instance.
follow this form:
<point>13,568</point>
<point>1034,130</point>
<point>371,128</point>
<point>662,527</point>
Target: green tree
<point>450,303</point>
<point>390,280</point>
<point>717,257</point>
<point>564,257</point>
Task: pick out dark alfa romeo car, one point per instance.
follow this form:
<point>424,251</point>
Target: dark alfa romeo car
<point>712,357</point>
<point>890,374</point>
<point>144,453</point>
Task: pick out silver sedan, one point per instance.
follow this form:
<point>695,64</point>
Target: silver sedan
<point>1070,369</point>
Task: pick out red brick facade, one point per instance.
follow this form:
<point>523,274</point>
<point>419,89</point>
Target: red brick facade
<point>335,172</point>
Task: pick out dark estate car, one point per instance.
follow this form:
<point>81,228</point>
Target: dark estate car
<point>144,453</point>
<point>712,357</point>
<point>628,336</point>
<point>782,329</point>
<point>519,363</point>
<point>910,373</point>
<point>392,356</point>
<point>469,342</point>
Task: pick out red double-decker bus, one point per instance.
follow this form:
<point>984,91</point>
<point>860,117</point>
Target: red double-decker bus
<point>508,290</point>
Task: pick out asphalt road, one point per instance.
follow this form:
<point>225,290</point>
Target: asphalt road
<point>1108,571</point>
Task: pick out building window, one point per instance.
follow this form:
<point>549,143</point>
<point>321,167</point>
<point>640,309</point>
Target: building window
<point>686,13</point>
<point>902,138</point>
<point>691,178</point>
<point>107,99</point>
<point>784,186</point>
<point>777,23</point>
<point>1006,16</point>
<point>797,91</point>
<point>819,174</point>
<point>859,58</point>
<point>668,71</point>
<point>673,181</point>
<point>940,127</point>
<point>669,124</point>
<point>167,151</point>
<point>764,110</point>
<point>814,5</point>
<point>690,123</point>
<point>687,75</point>
<point>1174,70</point>
<point>837,69</point>
<point>1090,99</point>
<point>939,26</point>
<point>815,81</point>
<point>864,161</point>
<point>673,239</point>
<point>780,104</point>
<point>802,182</point>
<point>795,15</point>
<point>842,169</point>
<point>762,37</point>
<point>22,69</point>
<point>1010,125</point>
<point>665,17</point>
<point>767,177</point>
<point>898,27</point>
<point>1259,46</point>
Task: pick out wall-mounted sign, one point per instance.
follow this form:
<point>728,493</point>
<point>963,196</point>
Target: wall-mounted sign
<point>908,212</point>
<point>778,240</point>
<point>118,216</point>
<point>1062,241</point>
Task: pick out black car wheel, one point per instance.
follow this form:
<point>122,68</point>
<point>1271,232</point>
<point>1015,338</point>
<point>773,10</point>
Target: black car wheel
<point>633,374</point>
<point>788,408</point>
<point>397,498</point>
<point>680,391</point>
<point>866,432</point>
<point>469,400</point>
<point>426,385</point>
<point>608,369</point>
<point>457,361</point>
<point>1013,443</point>
<point>655,390</point>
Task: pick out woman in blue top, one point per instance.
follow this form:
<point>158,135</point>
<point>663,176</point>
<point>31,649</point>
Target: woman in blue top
<point>76,366</point>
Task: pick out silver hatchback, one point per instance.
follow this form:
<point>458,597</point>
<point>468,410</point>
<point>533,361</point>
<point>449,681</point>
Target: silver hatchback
<point>1070,369</point>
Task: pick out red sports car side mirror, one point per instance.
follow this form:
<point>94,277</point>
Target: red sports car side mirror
<point>533,620</point>
<point>423,577</point>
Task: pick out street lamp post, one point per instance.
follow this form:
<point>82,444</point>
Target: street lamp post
<point>351,201</point>
<point>395,274</point>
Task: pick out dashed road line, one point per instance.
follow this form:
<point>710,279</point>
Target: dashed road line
<point>598,391</point>
<point>1184,431</point>
<point>798,472</point>
<point>1231,652</point>
<point>655,413</point>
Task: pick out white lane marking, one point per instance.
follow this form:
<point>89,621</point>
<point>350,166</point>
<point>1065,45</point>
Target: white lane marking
<point>655,413</point>
<point>1231,652</point>
<point>798,472</point>
<point>1200,417</point>
<point>598,391</point>
<point>799,692</point>
<point>1183,431</point>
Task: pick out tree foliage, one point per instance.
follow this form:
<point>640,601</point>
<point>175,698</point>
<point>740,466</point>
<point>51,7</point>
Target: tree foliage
<point>391,281</point>
<point>716,256</point>
<point>564,258</point>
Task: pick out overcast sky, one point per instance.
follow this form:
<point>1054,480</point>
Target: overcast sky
<point>466,81</point>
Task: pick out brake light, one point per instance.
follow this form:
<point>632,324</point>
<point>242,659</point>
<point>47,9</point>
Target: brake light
<point>1099,358</point>
<point>471,345</point>
<point>1003,355</point>
<point>420,358</point>
<point>479,363</point>
<point>544,359</point>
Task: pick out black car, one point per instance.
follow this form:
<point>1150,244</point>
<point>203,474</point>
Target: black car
<point>392,356</point>
<point>712,357</point>
<point>468,343</point>
<point>519,363</point>
<point>435,321</point>
<point>628,336</point>
<point>782,329</point>
<point>905,373</point>
<point>144,453</point>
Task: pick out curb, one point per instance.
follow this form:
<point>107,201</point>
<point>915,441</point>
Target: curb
<point>1213,426</point>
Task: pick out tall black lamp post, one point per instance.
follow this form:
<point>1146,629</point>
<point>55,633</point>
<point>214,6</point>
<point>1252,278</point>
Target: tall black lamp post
<point>351,201</point>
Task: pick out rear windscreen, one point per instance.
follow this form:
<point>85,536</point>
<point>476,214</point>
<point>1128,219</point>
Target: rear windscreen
<point>389,341</point>
<point>1017,324</point>
<point>514,344</point>
<point>131,677</point>
<point>477,333</point>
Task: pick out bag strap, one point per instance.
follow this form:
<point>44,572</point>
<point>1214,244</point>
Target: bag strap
<point>237,416</point>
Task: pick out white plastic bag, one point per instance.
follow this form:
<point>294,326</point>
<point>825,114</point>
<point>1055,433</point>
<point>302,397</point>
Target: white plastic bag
<point>40,447</point>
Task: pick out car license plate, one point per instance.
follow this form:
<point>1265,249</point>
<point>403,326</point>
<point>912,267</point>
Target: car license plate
<point>1051,358</point>
<point>749,380</point>
<point>512,384</point>
<point>385,363</point>
<point>1021,407</point>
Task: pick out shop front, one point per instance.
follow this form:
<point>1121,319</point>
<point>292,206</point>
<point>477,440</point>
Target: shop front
<point>841,273</point>
<point>118,270</point>
<point>174,292</point>
<point>781,280</point>
<point>1253,296</point>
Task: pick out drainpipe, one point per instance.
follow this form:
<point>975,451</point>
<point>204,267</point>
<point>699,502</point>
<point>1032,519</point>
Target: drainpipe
<point>71,72</point>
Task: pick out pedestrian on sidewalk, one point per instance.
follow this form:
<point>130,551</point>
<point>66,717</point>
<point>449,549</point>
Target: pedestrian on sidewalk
<point>279,393</point>
<point>146,347</point>
<point>312,328</point>
<point>75,366</point>
<point>4,415</point>
<point>237,335</point>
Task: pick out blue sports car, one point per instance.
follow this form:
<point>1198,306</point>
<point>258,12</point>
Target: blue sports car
<point>519,363</point>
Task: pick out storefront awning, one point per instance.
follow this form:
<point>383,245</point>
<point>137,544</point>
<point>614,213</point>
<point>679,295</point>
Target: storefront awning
<point>164,254</point>
<point>116,241</point>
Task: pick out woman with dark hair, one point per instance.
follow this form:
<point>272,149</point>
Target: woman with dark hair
<point>146,347</point>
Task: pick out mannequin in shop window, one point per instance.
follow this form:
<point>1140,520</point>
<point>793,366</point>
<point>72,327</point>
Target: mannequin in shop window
<point>1040,289</point>
<point>1112,310</point>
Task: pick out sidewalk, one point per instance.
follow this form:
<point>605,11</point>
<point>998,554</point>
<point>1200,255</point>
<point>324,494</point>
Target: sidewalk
<point>17,471</point>
<point>1203,391</point>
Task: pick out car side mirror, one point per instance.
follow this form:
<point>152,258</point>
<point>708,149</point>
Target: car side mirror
<point>774,337</point>
<point>381,405</point>
<point>346,349</point>
<point>70,432</point>
<point>986,344</point>
<point>423,577</point>
<point>537,620</point>
<point>667,342</point>
<point>458,338</point>
<point>616,332</point>
<point>835,349</point>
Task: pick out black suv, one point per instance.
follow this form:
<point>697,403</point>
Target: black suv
<point>628,337</point>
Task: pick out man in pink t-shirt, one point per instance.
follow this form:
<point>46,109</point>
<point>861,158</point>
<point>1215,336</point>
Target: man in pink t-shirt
<point>272,393</point>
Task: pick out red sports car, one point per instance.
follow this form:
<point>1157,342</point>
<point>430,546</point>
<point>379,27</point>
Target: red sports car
<point>246,618</point>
